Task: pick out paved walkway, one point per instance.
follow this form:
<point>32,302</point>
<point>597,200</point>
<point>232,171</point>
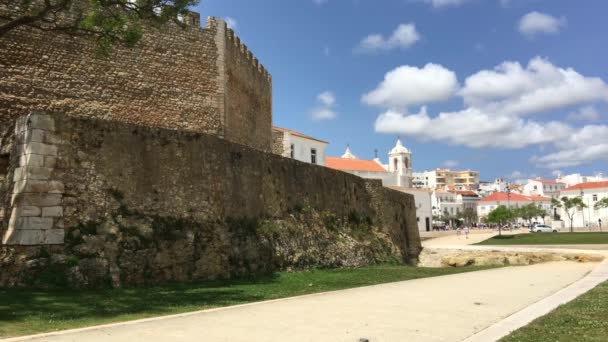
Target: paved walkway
<point>448,308</point>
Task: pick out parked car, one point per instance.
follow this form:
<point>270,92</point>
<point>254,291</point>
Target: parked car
<point>542,228</point>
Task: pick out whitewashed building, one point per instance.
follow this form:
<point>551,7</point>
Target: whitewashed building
<point>543,187</point>
<point>298,146</point>
<point>424,212</point>
<point>444,201</point>
<point>591,193</point>
<point>577,178</point>
<point>397,172</point>
<point>510,200</point>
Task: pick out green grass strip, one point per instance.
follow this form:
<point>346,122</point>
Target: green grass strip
<point>583,319</point>
<point>27,311</point>
<point>548,239</point>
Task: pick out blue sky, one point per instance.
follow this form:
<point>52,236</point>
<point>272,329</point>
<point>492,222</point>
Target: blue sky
<point>512,88</point>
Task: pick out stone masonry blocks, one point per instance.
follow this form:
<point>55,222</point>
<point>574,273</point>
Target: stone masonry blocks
<point>36,214</point>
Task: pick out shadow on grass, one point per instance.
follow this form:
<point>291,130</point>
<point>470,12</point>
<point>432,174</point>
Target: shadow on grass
<point>64,304</point>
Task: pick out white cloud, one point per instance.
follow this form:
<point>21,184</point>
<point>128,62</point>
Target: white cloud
<point>473,128</point>
<point>541,86</point>
<point>535,23</point>
<point>404,36</point>
<point>231,22</point>
<point>573,156</point>
<point>450,163</point>
<point>327,98</point>
<point>587,113</point>
<point>321,114</point>
<point>325,111</point>
<point>408,85</point>
<point>498,107</point>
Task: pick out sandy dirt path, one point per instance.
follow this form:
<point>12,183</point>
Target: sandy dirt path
<point>448,308</point>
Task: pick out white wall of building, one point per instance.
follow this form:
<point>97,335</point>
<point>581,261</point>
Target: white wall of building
<point>535,187</point>
<point>303,147</point>
<point>588,217</point>
<point>577,178</point>
<point>424,213</point>
<point>485,207</point>
<point>426,179</point>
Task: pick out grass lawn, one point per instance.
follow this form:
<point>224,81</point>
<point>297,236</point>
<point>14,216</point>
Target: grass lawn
<point>549,239</point>
<point>583,319</point>
<point>30,311</point>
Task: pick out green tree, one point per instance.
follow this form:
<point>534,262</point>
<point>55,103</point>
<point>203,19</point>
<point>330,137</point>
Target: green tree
<point>500,216</point>
<point>571,206</point>
<point>556,204</point>
<point>603,203</point>
<point>109,21</point>
<point>469,215</point>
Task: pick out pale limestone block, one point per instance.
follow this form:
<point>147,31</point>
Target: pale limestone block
<point>40,148</point>
<point>50,162</point>
<point>31,135</point>
<point>54,237</point>
<point>38,186</point>
<point>21,125</point>
<point>28,211</point>
<point>38,223</point>
<point>52,212</point>
<point>35,160</point>
<point>23,237</point>
<point>40,200</point>
<point>32,172</point>
<point>41,121</point>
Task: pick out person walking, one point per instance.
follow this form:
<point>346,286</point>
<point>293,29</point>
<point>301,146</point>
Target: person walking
<point>466,231</point>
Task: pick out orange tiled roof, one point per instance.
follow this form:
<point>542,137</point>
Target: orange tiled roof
<point>465,192</point>
<point>345,164</point>
<point>589,185</point>
<point>296,133</point>
<point>504,197</point>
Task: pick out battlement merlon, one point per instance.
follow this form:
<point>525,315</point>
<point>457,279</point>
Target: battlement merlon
<point>233,38</point>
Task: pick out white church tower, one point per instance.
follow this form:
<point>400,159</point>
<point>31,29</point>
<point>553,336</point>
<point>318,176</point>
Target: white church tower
<point>400,162</point>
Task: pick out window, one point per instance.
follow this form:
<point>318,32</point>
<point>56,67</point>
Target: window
<point>313,155</point>
<point>594,198</point>
<point>417,219</point>
<point>293,148</point>
<point>396,163</point>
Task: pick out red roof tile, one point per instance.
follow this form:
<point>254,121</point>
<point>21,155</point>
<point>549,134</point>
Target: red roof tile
<point>503,197</point>
<point>345,164</point>
<point>590,185</point>
<point>465,192</point>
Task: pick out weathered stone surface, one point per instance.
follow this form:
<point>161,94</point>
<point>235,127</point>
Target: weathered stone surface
<point>40,149</point>
<point>38,121</point>
<point>32,172</point>
<point>40,200</point>
<point>24,211</point>
<point>54,236</point>
<point>157,205</point>
<point>24,237</point>
<point>39,186</point>
<point>52,212</point>
<point>187,78</point>
<point>34,223</point>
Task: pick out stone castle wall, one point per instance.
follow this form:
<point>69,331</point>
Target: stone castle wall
<point>188,78</point>
<point>102,202</point>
